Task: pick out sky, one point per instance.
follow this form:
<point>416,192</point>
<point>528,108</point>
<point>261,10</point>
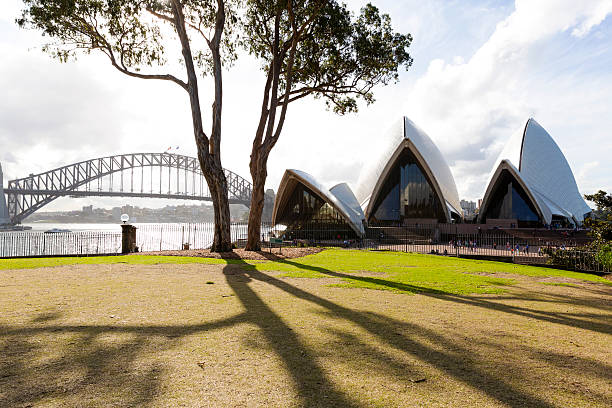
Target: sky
<point>481,69</point>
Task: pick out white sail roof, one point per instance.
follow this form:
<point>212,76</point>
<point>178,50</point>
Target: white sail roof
<point>344,193</point>
<point>405,134</point>
<point>545,172</point>
<point>340,197</point>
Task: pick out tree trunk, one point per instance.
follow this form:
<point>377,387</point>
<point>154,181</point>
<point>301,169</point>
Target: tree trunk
<point>217,185</point>
<point>259,174</point>
<point>209,152</point>
<point>222,241</point>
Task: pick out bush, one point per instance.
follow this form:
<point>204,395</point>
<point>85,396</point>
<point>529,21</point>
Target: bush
<point>604,255</point>
<point>579,259</point>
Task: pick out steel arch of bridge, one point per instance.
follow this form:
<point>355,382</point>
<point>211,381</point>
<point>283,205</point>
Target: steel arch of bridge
<point>29,194</point>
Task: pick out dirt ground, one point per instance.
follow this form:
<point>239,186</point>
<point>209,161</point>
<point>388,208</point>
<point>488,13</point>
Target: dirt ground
<point>229,336</point>
<point>273,254</point>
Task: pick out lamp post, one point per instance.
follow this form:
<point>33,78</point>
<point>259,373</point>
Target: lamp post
<point>128,236</point>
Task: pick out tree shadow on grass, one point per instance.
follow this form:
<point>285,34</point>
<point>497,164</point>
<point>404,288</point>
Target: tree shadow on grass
<point>95,365</point>
<point>84,368</point>
<point>603,326</point>
<point>448,360</point>
<point>88,366</point>
<point>311,383</point>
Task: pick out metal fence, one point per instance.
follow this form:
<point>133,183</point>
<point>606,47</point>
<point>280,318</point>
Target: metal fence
<point>444,239</point>
<point>441,239</point>
<point>164,237</point>
<point>21,244</point>
<point>576,259</point>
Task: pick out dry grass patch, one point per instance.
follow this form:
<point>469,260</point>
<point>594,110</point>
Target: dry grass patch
<point>162,335</point>
<point>273,254</point>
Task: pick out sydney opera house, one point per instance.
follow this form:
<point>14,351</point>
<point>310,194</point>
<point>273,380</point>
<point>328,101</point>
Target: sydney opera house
<point>410,183</point>
<point>532,183</point>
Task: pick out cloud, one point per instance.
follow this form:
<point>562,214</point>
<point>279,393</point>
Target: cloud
<point>471,87</point>
<point>58,105</point>
<point>597,15</point>
<point>586,169</point>
<point>472,107</point>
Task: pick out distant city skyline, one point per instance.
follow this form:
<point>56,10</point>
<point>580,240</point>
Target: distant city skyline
<point>471,88</point>
<point>111,215</point>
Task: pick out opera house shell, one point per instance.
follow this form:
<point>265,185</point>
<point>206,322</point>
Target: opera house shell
<point>304,203</point>
<point>532,183</point>
<point>409,183</point>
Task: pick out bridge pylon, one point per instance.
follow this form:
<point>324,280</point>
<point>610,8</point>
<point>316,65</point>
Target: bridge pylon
<point>4,214</point>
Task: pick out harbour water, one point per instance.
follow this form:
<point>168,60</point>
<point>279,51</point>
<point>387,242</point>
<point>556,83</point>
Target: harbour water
<point>45,226</point>
<point>90,239</point>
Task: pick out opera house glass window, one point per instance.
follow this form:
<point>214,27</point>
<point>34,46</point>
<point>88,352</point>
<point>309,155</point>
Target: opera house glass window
<point>306,214</point>
<point>407,193</point>
<point>509,201</point>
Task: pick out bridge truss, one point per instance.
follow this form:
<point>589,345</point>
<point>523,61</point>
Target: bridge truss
<point>153,175</point>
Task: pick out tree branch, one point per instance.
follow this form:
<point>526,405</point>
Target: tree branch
<point>202,140</point>
<point>214,44</point>
<point>108,50</point>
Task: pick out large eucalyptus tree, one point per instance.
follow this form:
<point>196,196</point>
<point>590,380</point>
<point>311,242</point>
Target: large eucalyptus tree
<point>136,36</point>
<point>318,48</point>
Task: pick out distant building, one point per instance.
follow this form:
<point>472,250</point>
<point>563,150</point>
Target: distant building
<point>468,205</point>
<point>127,209</point>
<point>266,215</point>
<point>469,209</point>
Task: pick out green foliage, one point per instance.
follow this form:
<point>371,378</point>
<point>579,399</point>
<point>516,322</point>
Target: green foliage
<point>604,255</point>
<point>600,221</point>
<point>336,56</point>
<point>133,34</point>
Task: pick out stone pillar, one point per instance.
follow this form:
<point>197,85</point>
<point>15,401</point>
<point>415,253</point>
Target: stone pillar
<point>128,238</point>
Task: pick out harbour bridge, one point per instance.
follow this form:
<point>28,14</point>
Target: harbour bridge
<point>148,175</point>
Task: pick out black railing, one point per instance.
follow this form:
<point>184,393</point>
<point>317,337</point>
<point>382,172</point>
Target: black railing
<point>164,237</point>
<point>441,239</point>
<point>22,244</point>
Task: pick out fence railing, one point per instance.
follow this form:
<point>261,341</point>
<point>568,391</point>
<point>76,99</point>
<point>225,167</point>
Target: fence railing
<point>576,259</point>
<point>445,240</point>
<point>440,239</point>
<point>19,244</point>
<point>163,237</point>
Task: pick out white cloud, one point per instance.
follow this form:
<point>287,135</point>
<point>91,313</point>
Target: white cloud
<point>597,15</point>
<point>471,87</point>
<point>471,108</point>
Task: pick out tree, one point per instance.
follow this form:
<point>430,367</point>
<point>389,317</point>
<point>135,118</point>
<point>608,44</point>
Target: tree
<point>131,34</point>
<point>600,224</point>
<point>600,221</point>
<point>318,48</point>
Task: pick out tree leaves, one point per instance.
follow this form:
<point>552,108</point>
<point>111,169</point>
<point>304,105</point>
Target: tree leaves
<point>134,34</point>
<point>338,57</point>
<point>600,221</point>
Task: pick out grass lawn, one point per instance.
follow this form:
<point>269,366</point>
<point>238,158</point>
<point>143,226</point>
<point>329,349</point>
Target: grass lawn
<point>339,328</point>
